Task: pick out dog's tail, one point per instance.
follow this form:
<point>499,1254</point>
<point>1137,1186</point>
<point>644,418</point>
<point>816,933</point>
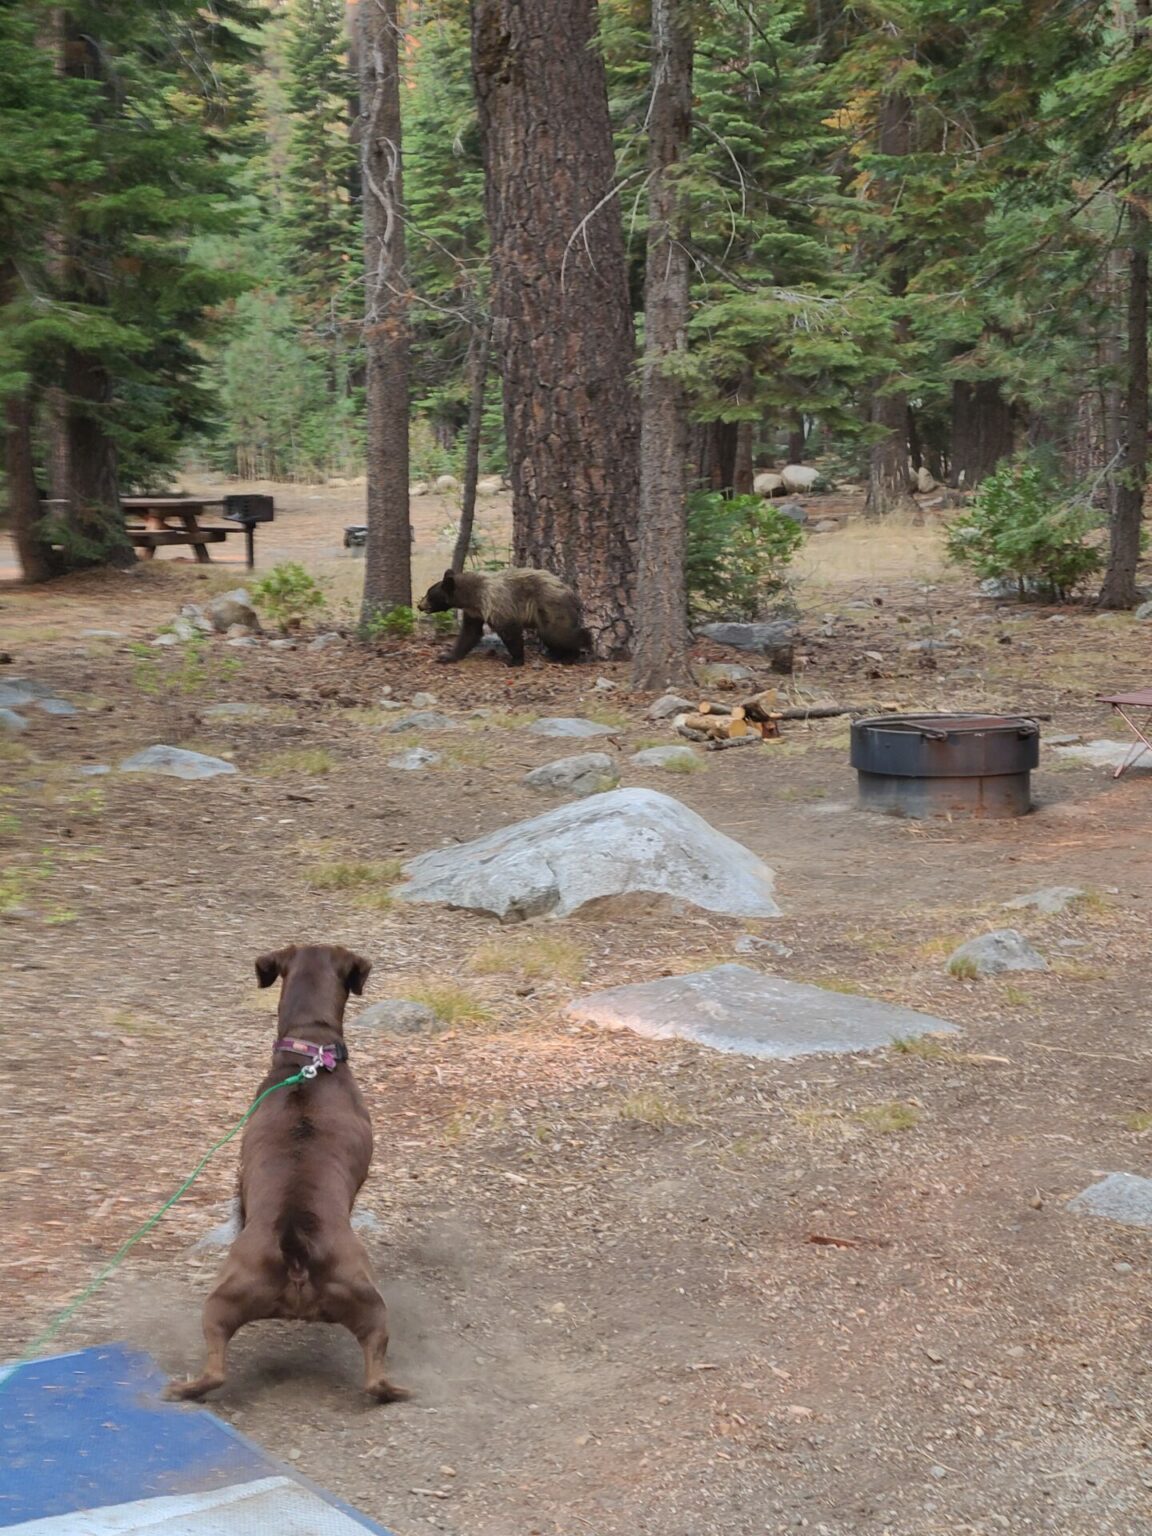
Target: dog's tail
<point>295,1231</point>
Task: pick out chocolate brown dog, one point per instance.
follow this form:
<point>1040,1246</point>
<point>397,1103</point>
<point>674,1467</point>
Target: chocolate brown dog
<point>304,1155</point>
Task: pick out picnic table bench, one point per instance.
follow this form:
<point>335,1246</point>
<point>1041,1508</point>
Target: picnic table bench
<point>155,520</point>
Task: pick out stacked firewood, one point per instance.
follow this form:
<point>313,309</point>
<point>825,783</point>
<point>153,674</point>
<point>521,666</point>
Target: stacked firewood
<point>754,718</point>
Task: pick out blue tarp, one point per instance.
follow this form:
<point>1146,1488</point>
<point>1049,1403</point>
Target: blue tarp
<point>88,1448</point>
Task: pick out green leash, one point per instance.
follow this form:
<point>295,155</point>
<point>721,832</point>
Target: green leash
<point>121,1253</point>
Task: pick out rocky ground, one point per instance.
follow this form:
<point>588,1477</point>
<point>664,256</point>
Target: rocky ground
<point>637,1286</point>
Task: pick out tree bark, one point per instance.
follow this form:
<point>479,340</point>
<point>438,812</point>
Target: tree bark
<point>562,329</point>
<point>388,552</point>
<point>660,657</point>
<point>93,468</point>
<point>888,460</point>
<point>1125,524</point>
<point>477,379</point>
<point>983,431</point>
<point>38,561</point>
<point>716,455</point>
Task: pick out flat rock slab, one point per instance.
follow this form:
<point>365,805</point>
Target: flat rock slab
<point>400,1016</point>
<point>414,759</point>
<point>11,721</point>
<point>16,691</point>
<point>615,844</point>
<point>674,759</point>
<point>735,1009</point>
<point>1052,898</point>
<point>763,636</point>
<point>1123,1197</point>
<point>560,725</point>
<point>236,712</point>
<point>56,707</point>
<point>1107,754</point>
<point>176,763</point>
<point>420,720</point>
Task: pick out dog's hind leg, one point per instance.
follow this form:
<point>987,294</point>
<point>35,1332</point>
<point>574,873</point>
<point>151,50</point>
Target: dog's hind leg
<point>359,1306</point>
<point>223,1315</point>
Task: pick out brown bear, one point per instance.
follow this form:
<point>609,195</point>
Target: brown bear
<point>510,602</point>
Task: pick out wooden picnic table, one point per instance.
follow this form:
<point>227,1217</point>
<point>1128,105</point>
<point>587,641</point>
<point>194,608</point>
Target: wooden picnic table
<point>156,520</point>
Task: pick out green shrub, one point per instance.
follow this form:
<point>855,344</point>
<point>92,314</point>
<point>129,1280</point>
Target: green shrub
<point>397,623</point>
<point>288,595</point>
<point>1025,525</point>
<point>736,553</point>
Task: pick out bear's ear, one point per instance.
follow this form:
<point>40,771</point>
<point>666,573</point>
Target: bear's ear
<point>269,967</point>
<point>448,581</point>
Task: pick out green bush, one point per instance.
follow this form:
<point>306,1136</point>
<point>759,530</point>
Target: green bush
<point>1026,526</point>
<point>736,553</point>
<point>396,623</point>
<point>288,595</point>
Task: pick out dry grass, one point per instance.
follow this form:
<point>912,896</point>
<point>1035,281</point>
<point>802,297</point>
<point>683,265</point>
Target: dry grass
<point>924,1048</point>
<point>452,1004</point>
<point>884,1119</point>
<point>1140,1122</point>
<point>351,875</point>
<point>895,549</point>
<point>654,1110</point>
<point>549,956</point>
<point>312,761</point>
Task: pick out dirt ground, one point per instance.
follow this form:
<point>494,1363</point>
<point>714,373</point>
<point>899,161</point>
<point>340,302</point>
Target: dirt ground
<point>605,1258</point>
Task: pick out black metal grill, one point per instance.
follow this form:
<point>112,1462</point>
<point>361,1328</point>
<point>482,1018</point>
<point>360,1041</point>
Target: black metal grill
<point>946,765</point>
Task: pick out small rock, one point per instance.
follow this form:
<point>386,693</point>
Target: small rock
<point>793,511</point>
<point>1109,754</point>
<point>994,953</point>
<point>237,711</point>
<point>726,672</point>
<point>414,758</point>
<point>418,488</point>
<point>752,943</point>
<point>93,770</point>
<point>561,725</point>
<point>420,720</point>
<point>1122,1197</point>
<point>1068,739</point>
<point>938,1472</point>
<point>169,639</point>
<point>604,685</point>
<point>197,618</point>
<point>11,721</point>
<point>391,704</point>
<point>925,484</point>
<point>675,759</point>
<point>826,525</point>
<point>671,704</point>
<point>241,640</point>
<point>56,707</point>
<point>183,630</point>
<point>1122,1268</point>
<point>1052,898</point>
<point>1143,612</point>
<point>447,483</point>
<point>325,642</point>
<point>232,608</point>
<point>176,763</point>
<point>399,1016</point>
<point>423,700</point>
<point>588,773</point>
<point>279,645</point>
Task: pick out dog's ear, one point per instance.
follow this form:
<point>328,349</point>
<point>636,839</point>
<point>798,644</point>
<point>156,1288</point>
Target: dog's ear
<point>270,966</point>
<point>354,971</point>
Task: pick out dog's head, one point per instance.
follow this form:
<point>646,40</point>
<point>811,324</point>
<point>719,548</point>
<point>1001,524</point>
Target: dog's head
<point>440,598</point>
<point>317,979</point>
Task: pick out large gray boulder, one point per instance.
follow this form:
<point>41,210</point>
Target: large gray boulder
<point>616,844</point>
<point>735,1009</point>
<point>588,773</point>
<point>1123,1197</point>
<point>994,953</point>
<point>176,763</point>
<point>773,638</point>
<point>1049,899</point>
<point>672,759</point>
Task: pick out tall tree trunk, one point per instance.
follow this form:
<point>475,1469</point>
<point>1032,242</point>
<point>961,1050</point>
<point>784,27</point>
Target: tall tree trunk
<point>93,468</point>
<point>477,379</point>
<point>38,561</point>
<point>983,431</point>
<point>743,468</point>
<point>796,439</point>
<point>888,460</point>
<point>388,553</point>
<point>716,454</point>
<point>1119,586</point>
<point>660,656</point>
<point>562,329</point>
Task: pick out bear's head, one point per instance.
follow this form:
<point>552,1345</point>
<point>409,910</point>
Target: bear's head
<point>440,598</point>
